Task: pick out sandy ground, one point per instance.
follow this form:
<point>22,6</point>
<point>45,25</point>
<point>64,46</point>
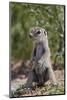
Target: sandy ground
<point>19,75</point>
<point>21,79</point>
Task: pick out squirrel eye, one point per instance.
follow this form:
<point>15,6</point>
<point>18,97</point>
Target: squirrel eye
<point>38,32</point>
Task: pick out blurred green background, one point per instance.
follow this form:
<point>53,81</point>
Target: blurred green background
<point>23,16</point>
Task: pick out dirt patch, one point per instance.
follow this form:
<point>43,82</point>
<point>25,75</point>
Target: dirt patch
<point>21,72</point>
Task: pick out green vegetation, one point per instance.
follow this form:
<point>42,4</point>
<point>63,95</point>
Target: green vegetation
<point>23,16</point>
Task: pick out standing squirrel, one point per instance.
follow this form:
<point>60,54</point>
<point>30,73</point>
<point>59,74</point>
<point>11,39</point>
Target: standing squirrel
<point>42,68</point>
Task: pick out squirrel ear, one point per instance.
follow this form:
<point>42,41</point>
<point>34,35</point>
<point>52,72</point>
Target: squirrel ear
<point>45,32</point>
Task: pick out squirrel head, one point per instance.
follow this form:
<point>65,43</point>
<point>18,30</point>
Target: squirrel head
<point>38,34</point>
